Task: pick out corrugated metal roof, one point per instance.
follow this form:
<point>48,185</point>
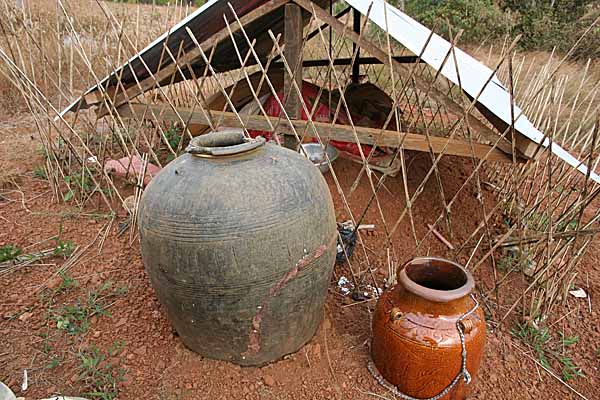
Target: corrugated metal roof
<point>473,74</point>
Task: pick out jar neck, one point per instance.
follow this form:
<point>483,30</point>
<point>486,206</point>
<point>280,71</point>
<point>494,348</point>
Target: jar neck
<point>436,279</point>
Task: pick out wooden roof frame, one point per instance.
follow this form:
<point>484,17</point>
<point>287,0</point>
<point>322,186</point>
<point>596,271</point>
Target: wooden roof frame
<point>118,99</point>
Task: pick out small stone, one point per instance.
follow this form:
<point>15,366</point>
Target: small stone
<point>25,316</point>
<point>74,378</point>
<point>121,322</point>
<point>54,282</point>
<point>269,380</point>
<point>97,334</point>
<point>189,386</point>
<point>130,356</point>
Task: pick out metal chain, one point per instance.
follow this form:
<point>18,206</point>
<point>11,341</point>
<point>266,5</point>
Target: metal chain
<point>463,373</point>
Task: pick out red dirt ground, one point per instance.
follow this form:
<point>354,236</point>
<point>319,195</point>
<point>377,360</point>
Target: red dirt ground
<point>158,366</point>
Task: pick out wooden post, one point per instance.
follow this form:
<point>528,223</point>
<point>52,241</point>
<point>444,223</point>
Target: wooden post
<point>293,54</point>
<point>356,65</point>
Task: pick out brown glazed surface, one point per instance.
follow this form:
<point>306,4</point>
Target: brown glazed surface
<point>416,345</point>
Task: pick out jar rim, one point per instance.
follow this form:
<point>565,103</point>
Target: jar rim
<point>227,142</point>
<point>436,279</point>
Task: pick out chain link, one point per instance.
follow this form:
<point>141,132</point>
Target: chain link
<point>463,373</point>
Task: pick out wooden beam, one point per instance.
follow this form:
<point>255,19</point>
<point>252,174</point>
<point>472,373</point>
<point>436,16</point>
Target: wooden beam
<point>347,61</point>
<point>293,34</point>
<point>327,131</point>
<point>375,51</point>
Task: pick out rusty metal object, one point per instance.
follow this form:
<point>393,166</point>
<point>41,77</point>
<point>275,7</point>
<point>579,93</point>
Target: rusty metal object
<point>417,327</point>
<point>239,242</point>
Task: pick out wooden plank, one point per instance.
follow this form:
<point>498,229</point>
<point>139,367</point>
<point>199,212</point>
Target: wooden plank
<point>327,131</point>
<point>348,61</point>
<point>293,33</point>
<point>375,51</point>
<point>527,146</point>
<point>523,144</point>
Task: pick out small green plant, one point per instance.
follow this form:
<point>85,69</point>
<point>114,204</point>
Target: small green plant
<point>506,263</point>
<point>567,225</point>
<point>75,318</point>
<point>53,363</point>
<point>80,183</point>
<point>9,252</point>
<point>46,343</point>
<point>40,172</point>
<point>548,349</point>
<point>67,282</point>
<point>64,248</point>
<point>98,375</point>
<point>173,137</point>
<point>538,221</point>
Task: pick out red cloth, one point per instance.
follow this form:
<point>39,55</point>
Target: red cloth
<point>322,114</point>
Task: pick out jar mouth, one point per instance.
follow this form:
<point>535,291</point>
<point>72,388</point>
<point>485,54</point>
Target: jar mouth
<point>223,143</point>
<point>436,279</point>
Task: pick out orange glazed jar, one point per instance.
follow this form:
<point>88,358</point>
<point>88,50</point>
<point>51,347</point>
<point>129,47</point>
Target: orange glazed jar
<point>428,332</point>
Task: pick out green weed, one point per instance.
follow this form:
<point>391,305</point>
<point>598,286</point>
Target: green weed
<point>77,183</point>
<point>80,184</point>
<point>173,137</point>
<point>98,375</point>
<point>548,349</point>
<point>9,252</point>
<point>46,343</point>
<point>53,363</point>
<point>506,263</point>
<point>64,249</point>
<point>538,221</point>
<point>40,172</point>
<point>67,282</point>
<point>75,318</point>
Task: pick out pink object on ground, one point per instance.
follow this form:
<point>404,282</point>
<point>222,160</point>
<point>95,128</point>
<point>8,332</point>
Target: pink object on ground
<point>131,168</point>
